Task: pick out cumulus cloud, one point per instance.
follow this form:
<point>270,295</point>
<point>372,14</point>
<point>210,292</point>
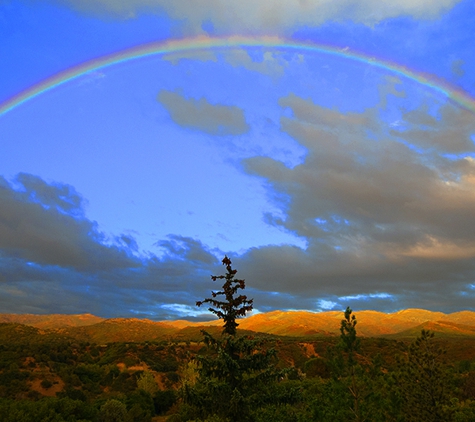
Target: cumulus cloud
<point>265,17</point>
<point>385,214</point>
<point>215,119</point>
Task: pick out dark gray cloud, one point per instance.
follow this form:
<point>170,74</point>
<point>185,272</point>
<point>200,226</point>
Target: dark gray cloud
<point>187,249</point>
<point>45,224</point>
<point>54,260</point>
<point>214,119</point>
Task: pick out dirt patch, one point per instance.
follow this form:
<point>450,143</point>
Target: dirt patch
<point>160,381</point>
<point>138,368</point>
<point>142,367</point>
<point>58,385</point>
<point>308,349</point>
<point>159,378</point>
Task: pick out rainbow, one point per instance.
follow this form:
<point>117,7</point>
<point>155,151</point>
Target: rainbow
<point>205,43</point>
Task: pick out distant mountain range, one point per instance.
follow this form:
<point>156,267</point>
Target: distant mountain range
<point>406,323</point>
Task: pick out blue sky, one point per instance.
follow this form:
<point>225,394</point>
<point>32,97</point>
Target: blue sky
<point>329,181</point>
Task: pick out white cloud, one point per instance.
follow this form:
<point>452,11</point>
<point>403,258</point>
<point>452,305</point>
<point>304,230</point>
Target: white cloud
<point>179,310</point>
<point>264,16</point>
<point>326,305</point>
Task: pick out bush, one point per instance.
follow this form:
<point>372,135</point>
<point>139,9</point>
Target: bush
<point>46,384</point>
<point>113,411</point>
<point>164,400</point>
<point>317,367</point>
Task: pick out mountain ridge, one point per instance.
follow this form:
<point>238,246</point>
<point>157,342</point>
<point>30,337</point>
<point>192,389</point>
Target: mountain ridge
<point>407,322</point>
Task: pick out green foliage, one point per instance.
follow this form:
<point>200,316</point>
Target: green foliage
<point>424,382</point>
<point>73,394</point>
<point>349,342</point>
<point>317,367</point>
<point>234,378</point>
<point>235,368</point>
<point>46,383</point>
<point>279,413</point>
<point>164,400</point>
<point>89,374</point>
<point>464,366</point>
<point>124,383</point>
<point>147,383</point>
<point>113,411</point>
<point>113,354</point>
<point>354,381</point>
<point>140,405</point>
<point>330,402</point>
<point>46,410</point>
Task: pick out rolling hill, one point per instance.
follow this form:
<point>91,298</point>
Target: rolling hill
<point>51,320</point>
<point>405,323</point>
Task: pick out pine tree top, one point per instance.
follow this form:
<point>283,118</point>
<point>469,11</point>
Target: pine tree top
<point>232,306</point>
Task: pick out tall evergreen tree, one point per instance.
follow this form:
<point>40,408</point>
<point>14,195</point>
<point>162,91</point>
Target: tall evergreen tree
<point>350,344</point>
<point>232,307</point>
<point>235,367</point>
<point>424,381</point>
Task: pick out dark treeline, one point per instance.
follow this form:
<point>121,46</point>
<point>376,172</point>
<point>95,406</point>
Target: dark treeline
<point>233,376</point>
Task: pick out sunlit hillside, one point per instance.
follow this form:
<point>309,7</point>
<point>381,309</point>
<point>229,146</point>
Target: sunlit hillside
<point>407,322</point>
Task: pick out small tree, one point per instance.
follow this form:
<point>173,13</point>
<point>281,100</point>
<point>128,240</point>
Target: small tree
<point>349,342</point>
<point>349,386</point>
<point>424,381</point>
<point>147,383</point>
<point>232,307</point>
<point>113,411</point>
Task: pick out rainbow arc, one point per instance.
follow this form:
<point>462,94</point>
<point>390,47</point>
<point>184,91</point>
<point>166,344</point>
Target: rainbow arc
<point>205,43</point>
